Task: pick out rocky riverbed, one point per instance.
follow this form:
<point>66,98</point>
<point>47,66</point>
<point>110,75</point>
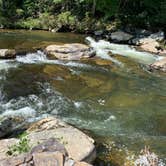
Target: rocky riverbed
<point>89,86</point>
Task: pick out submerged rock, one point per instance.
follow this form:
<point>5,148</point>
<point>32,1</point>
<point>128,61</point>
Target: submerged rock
<point>159,65</point>
<point>7,53</point>
<point>73,51</point>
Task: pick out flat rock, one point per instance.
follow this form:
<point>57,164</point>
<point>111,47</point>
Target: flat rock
<point>159,65</point>
<point>4,146</point>
<point>82,164</point>
<point>151,45</point>
<point>51,145</point>
<point>79,146</point>
<point>48,159</point>
<point>7,53</point>
<point>74,51</point>
<point>53,135</point>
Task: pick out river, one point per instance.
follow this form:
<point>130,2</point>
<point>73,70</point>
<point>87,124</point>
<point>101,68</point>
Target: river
<point>122,105</point>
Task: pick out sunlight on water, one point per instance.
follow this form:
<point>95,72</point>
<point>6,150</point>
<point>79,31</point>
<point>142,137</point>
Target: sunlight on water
<point>123,105</point>
<point>103,48</point>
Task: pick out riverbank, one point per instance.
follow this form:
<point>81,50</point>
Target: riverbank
<point>141,40</point>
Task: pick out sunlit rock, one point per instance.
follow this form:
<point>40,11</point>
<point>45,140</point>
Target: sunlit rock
<point>73,51</point>
<point>72,138</point>
<point>7,53</point>
<point>159,65</point>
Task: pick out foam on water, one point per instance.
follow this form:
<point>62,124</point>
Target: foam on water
<point>103,48</point>
<point>5,64</point>
<point>26,112</point>
<point>40,58</point>
<point>32,106</point>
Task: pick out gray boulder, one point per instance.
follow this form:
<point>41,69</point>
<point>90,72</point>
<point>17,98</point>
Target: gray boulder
<point>159,36</point>
<point>121,36</point>
<point>10,124</point>
<point>99,33</point>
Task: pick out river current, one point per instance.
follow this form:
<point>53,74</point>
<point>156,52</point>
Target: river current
<point>112,97</point>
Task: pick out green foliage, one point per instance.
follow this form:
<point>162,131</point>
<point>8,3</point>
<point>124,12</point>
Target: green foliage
<point>66,19</point>
<point>21,147</point>
<point>46,14</point>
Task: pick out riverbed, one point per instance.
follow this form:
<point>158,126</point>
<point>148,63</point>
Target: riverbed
<point>123,106</point>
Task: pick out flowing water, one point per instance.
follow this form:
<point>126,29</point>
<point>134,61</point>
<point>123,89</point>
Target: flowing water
<point>120,103</point>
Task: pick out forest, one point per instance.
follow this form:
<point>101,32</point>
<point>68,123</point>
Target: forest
<point>82,16</point>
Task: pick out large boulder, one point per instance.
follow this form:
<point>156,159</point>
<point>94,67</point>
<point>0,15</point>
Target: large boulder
<point>159,36</point>
<point>151,45</point>
<point>121,37</point>
<point>73,51</point>
<point>79,146</point>
<point>7,53</point>
<point>43,135</point>
<point>49,153</point>
<point>159,65</point>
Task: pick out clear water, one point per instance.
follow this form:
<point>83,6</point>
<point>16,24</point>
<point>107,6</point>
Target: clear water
<point>122,106</point>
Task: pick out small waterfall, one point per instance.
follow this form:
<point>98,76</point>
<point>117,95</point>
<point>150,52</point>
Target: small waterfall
<point>104,47</point>
<point>40,57</point>
<point>5,64</point>
<point>32,58</point>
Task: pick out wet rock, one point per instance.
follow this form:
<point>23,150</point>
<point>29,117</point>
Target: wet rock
<point>99,33</point>
<point>73,51</point>
<point>91,82</point>
<point>142,33</point>
<point>120,37</point>
<point>103,62</point>
<point>159,36</point>
<point>159,65</point>
<point>10,124</point>
<point>7,53</point>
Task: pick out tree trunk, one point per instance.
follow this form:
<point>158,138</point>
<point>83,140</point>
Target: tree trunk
<point>94,7</point>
